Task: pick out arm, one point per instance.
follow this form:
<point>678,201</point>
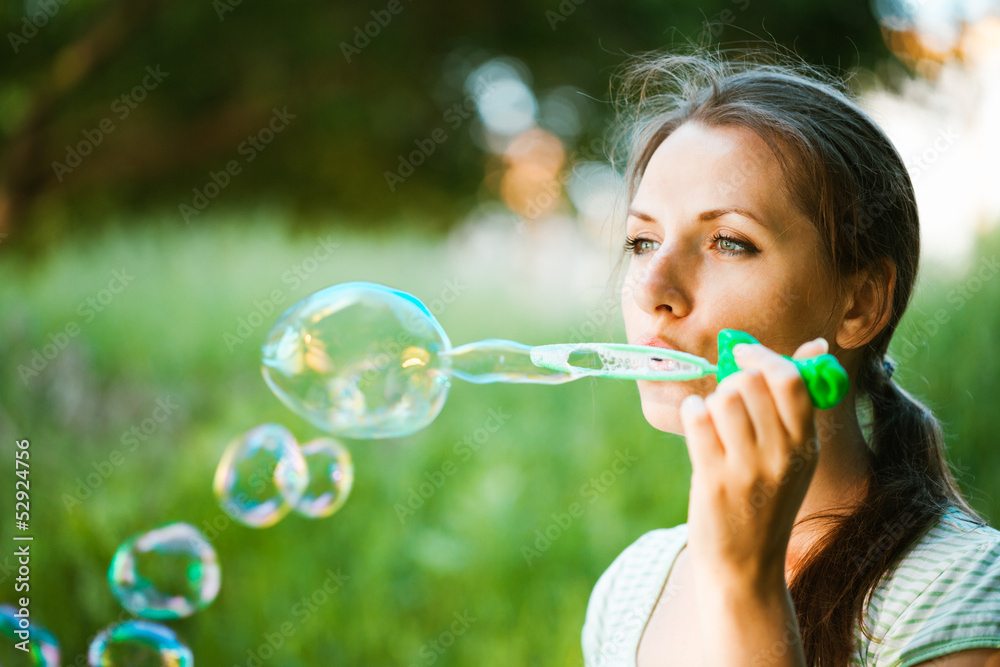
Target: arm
<point>746,624</point>
<point>756,431</point>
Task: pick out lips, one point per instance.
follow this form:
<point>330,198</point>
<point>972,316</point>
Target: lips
<point>655,342</point>
<point>663,364</point>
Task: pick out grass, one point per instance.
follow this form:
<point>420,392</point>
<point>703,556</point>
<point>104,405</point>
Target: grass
<point>461,550</point>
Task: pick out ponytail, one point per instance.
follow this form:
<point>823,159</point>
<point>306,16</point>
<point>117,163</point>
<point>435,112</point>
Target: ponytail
<point>911,487</point>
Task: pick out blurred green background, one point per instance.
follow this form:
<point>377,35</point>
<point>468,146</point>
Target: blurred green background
<point>477,220</point>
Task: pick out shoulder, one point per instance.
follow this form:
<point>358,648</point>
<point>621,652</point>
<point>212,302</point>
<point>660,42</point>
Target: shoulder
<point>943,596</point>
<point>626,592</point>
<point>641,554</point>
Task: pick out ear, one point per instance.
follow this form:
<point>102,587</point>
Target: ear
<point>869,304</point>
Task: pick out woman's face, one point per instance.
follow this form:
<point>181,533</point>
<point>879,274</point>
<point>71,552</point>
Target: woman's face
<point>719,244</point>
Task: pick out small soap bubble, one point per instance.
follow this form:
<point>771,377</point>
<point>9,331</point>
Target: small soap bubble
<point>261,476</point>
<point>331,475</point>
<point>359,360</point>
<point>166,573</point>
<point>138,644</point>
<point>43,649</point>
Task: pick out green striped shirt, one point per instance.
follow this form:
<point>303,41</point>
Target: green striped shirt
<point>942,596</point>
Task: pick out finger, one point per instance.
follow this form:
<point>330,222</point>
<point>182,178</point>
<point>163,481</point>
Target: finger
<point>813,348</point>
<point>787,388</point>
<point>733,425</point>
<point>703,444</point>
<point>756,396</point>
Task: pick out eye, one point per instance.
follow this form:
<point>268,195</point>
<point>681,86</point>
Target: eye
<point>637,245</point>
<point>733,247</point>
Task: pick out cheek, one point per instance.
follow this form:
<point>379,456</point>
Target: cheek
<point>799,306</point>
<point>781,318</point>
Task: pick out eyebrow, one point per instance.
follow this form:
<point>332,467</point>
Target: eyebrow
<point>704,216</point>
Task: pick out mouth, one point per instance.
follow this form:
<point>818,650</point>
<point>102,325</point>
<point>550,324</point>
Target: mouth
<point>658,363</point>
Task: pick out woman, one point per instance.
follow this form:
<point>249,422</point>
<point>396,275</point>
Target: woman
<point>763,199</point>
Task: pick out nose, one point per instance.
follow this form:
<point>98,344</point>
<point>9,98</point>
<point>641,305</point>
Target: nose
<point>658,285</point>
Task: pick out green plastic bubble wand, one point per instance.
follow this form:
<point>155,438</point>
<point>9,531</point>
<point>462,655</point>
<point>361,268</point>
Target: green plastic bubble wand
<point>824,377</point>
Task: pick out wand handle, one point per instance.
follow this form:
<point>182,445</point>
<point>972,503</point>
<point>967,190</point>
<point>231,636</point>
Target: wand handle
<point>826,380</point>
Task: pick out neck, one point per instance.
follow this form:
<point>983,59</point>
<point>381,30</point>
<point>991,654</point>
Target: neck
<point>839,483</point>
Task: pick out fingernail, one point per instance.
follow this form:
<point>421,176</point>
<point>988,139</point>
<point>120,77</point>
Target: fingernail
<point>826,344</point>
<point>740,349</point>
<point>690,402</point>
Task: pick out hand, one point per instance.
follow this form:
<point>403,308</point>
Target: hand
<point>753,450</point>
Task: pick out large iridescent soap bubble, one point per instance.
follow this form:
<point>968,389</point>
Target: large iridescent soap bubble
<point>362,360</point>
<point>331,476</point>
<point>138,644</point>
<point>18,629</point>
<point>169,572</point>
<point>261,476</point>
<point>359,360</point>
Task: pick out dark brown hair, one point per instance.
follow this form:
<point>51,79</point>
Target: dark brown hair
<point>846,176</point>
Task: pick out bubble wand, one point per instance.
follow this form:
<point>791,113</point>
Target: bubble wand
<point>362,360</point>
<point>824,377</point>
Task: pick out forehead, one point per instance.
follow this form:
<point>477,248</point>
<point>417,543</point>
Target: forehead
<point>703,167</point>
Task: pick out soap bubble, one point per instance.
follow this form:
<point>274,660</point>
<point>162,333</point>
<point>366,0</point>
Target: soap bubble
<point>138,644</point>
<point>359,360</point>
<point>166,573</point>
<point>43,649</point>
<point>261,476</point>
<point>331,474</point>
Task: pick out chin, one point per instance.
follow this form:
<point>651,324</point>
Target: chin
<point>668,421</point>
<point>661,401</point>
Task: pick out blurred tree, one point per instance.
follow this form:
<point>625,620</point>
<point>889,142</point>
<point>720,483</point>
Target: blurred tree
<point>141,105</point>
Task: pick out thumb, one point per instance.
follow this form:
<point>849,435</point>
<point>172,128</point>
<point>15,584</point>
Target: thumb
<point>813,348</point>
